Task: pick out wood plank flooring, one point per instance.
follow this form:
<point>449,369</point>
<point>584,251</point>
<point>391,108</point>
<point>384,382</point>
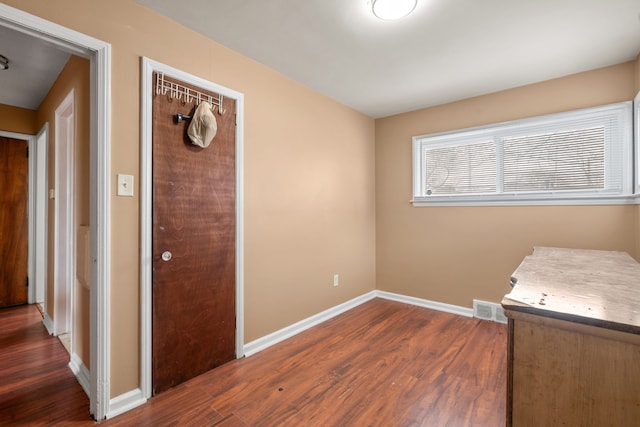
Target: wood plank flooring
<point>383,363</point>
<point>36,385</point>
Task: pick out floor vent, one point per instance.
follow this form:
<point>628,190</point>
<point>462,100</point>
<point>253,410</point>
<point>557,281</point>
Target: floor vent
<point>488,311</point>
<point>500,317</point>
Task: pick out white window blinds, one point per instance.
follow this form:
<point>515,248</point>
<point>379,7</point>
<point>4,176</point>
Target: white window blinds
<point>572,160</point>
<point>577,154</point>
<point>461,169</point>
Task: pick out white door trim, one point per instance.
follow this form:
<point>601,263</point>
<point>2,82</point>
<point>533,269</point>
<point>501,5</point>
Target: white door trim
<point>146,208</point>
<point>64,202</point>
<point>38,154</point>
<point>99,53</point>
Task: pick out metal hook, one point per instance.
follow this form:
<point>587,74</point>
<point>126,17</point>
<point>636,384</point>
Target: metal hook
<point>159,83</point>
<point>180,117</point>
<point>221,110</point>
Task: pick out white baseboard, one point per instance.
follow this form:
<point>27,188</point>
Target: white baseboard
<point>434,305</point>
<point>125,402</point>
<point>268,340</point>
<point>48,323</point>
<point>80,371</point>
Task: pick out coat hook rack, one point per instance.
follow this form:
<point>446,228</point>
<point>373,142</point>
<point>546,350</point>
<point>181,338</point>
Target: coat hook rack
<point>186,95</point>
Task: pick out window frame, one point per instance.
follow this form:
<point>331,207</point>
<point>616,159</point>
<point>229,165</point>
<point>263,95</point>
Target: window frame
<point>636,145</point>
<point>621,156</point>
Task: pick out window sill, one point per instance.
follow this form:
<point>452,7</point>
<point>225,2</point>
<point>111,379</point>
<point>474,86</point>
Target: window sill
<point>489,201</point>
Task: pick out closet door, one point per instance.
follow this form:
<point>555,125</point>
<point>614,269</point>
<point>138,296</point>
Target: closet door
<point>14,175</point>
<point>194,198</point>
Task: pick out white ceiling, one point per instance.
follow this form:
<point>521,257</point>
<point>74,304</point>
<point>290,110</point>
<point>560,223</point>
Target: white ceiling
<point>445,51</point>
<point>33,67</point>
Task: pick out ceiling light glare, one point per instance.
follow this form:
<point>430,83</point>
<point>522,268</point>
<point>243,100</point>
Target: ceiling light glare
<point>392,9</point>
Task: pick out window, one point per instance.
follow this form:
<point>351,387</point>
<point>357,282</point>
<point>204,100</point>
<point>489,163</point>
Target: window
<point>582,156</point>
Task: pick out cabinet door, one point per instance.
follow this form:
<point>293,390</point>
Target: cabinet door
<point>563,373</point>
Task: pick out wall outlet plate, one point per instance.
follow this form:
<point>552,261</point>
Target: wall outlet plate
<point>125,185</point>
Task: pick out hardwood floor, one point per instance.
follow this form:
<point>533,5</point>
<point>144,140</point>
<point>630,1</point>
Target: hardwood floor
<point>380,364</point>
<point>36,386</point>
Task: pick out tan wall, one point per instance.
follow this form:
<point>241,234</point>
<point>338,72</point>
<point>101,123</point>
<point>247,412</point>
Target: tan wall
<point>75,75</point>
<point>456,254</point>
<point>309,176</point>
<point>18,120</point>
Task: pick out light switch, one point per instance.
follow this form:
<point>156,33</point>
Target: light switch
<point>125,185</point>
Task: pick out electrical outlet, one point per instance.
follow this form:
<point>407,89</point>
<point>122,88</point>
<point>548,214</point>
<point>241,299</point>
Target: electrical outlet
<point>336,280</point>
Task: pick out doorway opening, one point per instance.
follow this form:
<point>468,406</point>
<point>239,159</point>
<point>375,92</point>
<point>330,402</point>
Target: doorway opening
<point>98,52</point>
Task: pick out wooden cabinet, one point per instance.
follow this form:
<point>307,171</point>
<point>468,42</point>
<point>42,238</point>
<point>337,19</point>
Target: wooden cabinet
<point>574,339</point>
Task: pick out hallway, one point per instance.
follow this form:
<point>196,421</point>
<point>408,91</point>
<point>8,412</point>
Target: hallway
<point>36,385</point>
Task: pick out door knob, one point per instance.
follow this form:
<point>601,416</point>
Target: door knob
<point>166,256</point>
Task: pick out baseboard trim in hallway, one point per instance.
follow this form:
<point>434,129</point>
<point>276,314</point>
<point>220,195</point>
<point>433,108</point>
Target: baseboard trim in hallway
<point>126,402</point>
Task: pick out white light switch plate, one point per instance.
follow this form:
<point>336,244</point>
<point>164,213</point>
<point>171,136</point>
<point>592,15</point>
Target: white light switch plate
<point>125,185</point>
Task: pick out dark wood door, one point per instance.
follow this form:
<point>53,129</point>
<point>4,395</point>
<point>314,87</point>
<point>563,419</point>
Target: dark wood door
<point>14,178</point>
<point>194,219</point>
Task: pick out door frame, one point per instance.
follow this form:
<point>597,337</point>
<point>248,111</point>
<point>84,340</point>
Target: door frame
<point>99,55</point>
<point>146,209</point>
<point>38,199</point>
<point>64,253</point>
